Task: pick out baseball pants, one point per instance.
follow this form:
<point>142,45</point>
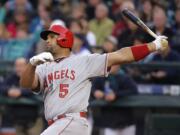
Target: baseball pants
<point>70,125</point>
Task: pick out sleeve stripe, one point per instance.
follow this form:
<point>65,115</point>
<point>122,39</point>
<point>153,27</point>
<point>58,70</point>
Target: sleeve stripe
<point>105,68</point>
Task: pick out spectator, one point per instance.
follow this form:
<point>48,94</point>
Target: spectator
<point>78,11</point>
<point>76,26</point>
<point>127,37</point>
<point>65,7</point>
<point>21,33</point>
<point>146,14</point>
<point>164,75</point>
<point>14,6</point>
<point>110,44</point>
<point>11,89</point>
<point>175,38</point>
<point>19,4</point>
<point>81,26</point>
<point>114,87</point>
<point>21,19</point>
<point>116,6</point>
<point>177,20</point>
<point>23,46</point>
<point>56,9</point>
<point>110,89</point>
<point>2,13</point>
<point>20,24</point>
<point>90,36</point>
<point>160,25</point>
<point>79,46</point>
<point>46,3</point>
<point>11,83</point>
<point>177,3</point>
<point>135,72</point>
<point>42,20</point>
<point>4,34</point>
<point>90,9</point>
<point>120,24</point>
<point>101,26</point>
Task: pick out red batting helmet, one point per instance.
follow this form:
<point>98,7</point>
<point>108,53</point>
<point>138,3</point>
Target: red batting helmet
<point>65,38</point>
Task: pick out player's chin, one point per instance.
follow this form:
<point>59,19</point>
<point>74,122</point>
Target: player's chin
<point>48,49</point>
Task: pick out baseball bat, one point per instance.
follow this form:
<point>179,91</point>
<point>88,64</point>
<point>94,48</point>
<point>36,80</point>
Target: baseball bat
<point>138,22</point>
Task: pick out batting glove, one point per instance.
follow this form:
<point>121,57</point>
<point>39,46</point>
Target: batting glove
<point>159,42</point>
<point>41,58</point>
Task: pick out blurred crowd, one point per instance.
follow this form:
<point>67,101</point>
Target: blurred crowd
<point>98,27</point>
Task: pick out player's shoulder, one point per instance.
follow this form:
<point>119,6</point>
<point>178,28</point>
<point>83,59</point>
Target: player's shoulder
<point>74,57</point>
<point>83,57</point>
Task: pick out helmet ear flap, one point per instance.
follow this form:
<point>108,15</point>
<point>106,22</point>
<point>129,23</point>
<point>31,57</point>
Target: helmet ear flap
<point>61,42</point>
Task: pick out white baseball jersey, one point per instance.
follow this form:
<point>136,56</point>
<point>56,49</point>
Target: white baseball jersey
<point>66,84</point>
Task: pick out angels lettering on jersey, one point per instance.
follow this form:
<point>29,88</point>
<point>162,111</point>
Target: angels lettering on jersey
<point>58,75</point>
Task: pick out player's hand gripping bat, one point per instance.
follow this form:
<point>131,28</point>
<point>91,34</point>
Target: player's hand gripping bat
<point>138,22</point>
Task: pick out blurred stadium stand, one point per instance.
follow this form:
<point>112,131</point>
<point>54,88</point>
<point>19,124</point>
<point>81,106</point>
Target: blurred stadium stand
<point>156,108</point>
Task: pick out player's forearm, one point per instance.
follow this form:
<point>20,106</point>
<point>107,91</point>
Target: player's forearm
<point>28,77</point>
<point>131,54</point>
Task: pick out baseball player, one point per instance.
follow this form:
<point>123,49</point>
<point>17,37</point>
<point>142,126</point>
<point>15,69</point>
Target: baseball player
<point>64,80</point>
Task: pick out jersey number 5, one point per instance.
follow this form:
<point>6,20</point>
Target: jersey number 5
<point>63,91</point>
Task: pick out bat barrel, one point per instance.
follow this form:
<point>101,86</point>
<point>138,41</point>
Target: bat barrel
<point>138,22</point>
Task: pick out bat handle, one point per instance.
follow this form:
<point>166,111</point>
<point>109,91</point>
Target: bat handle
<point>148,30</point>
<point>152,33</point>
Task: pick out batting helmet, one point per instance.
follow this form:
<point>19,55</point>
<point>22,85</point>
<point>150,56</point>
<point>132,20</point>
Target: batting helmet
<point>65,38</point>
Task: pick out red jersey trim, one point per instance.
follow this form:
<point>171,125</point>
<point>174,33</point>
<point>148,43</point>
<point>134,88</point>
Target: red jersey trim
<point>106,70</point>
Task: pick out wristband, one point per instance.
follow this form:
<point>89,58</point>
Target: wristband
<point>140,51</point>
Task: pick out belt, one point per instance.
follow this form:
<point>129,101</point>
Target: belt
<point>81,114</point>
